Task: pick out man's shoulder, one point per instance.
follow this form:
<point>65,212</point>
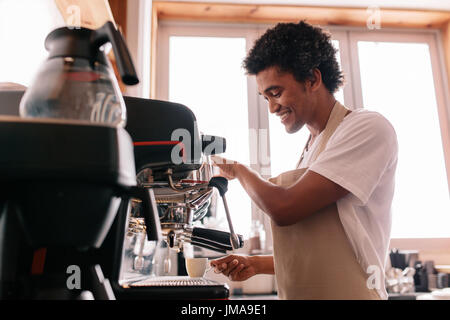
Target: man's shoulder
<point>366,126</point>
<point>367,120</point>
<point>365,115</point>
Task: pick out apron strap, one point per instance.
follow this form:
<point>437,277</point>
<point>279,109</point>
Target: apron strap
<point>336,116</point>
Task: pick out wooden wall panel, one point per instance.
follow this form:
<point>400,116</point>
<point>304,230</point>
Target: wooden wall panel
<point>93,13</point>
<point>119,12</point>
<point>229,12</point>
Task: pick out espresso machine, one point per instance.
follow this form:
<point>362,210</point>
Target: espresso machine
<point>94,186</point>
<point>172,160</point>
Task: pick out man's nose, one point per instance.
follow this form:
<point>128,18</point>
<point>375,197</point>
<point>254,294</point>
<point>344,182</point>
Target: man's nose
<point>273,107</point>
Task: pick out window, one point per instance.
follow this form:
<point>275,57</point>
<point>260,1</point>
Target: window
<point>24,26</point>
<point>403,90</point>
<point>396,73</point>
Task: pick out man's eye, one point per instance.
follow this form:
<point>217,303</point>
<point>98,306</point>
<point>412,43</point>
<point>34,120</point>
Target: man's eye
<point>276,94</point>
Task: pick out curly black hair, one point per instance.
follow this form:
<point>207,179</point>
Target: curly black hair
<point>297,48</point>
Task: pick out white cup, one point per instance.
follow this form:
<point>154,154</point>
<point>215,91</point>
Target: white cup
<point>197,267</point>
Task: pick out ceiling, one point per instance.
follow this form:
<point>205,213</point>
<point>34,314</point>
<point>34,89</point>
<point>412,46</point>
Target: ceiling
<point>404,4</point>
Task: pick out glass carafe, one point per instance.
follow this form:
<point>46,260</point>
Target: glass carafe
<point>77,82</point>
<point>75,89</point>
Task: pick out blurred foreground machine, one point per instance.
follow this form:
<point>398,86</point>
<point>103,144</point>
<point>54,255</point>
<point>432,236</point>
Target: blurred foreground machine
<point>61,187</point>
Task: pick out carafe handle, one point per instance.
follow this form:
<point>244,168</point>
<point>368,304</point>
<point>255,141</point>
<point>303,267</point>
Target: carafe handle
<point>108,33</point>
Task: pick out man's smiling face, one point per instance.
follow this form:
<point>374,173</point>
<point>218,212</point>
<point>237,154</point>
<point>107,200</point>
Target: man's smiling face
<point>288,98</point>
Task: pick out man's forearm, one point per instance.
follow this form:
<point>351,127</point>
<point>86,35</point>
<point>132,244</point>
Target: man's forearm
<point>256,187</point>
<point>262,192</point>
<point>263,264</point>
<point>288,205</point>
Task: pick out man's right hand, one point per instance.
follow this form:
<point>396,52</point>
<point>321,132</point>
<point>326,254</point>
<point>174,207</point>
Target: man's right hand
<point>236,267</point>
<point>228,168</point>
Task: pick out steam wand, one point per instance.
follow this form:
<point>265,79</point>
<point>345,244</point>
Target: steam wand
<point>221,184</point>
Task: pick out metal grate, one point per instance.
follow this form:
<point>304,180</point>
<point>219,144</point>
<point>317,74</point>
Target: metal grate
<point>173,282</point>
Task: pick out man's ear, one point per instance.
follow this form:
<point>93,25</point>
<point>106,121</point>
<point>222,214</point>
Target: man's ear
<point>315,80</point>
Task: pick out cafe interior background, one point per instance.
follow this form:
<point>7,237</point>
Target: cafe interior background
<point>395,56</point>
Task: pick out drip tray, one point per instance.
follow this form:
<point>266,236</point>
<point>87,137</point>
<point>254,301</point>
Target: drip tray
<point>174,287</point>
<point>180,281</point>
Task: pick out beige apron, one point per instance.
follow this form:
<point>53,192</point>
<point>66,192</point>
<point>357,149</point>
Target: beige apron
<point>313,258</point>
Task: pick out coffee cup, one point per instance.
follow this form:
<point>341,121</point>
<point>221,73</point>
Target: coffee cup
<point>197,267</point>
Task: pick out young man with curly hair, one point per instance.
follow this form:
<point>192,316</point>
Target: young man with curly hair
<point>330,216</point>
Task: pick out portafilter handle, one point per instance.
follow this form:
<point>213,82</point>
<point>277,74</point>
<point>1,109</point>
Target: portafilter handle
<point>221,184</point>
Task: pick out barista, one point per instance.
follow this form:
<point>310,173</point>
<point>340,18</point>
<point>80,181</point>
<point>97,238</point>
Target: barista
<point>330,216</point>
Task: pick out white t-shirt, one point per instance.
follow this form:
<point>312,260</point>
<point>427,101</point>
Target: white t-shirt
<point>361,156</point>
